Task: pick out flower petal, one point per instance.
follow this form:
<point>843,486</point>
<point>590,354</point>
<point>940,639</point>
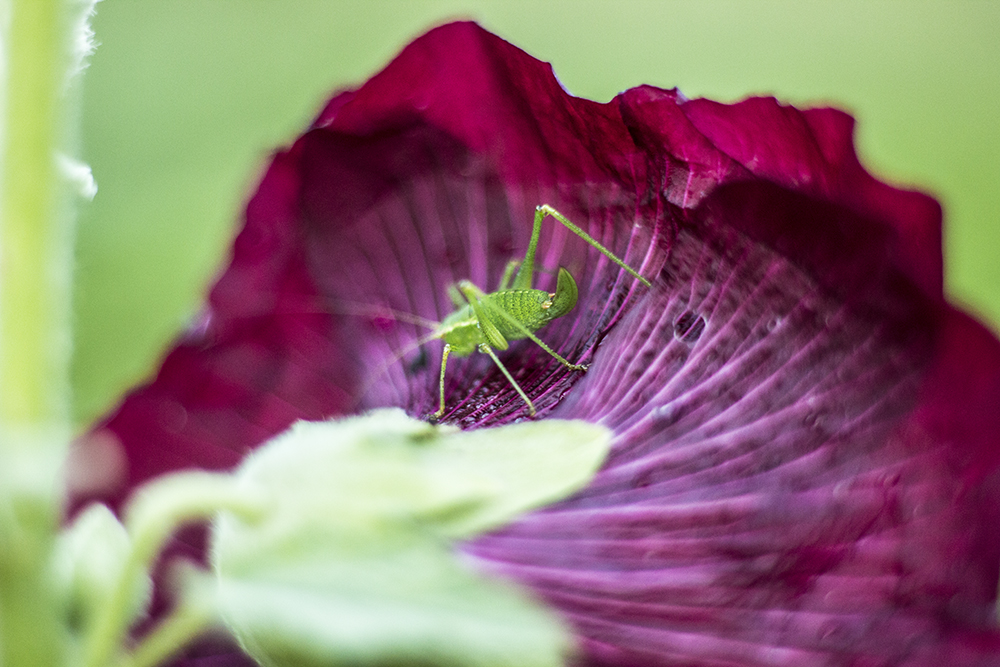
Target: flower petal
<point>805,469</point>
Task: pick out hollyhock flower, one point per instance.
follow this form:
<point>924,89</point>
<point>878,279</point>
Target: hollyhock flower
<point>807,435</point>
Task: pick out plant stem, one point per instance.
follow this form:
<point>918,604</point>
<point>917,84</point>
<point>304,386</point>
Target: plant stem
<point>35,238</point>
<point>35,247</point>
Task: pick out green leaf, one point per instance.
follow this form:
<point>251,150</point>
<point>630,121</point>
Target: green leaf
<point>352,564</point>
<point>527,465</point>
<point>411,604</point>
<point>388,467</point>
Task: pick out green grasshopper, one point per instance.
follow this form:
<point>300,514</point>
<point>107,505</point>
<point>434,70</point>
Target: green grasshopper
<point>515,311</point>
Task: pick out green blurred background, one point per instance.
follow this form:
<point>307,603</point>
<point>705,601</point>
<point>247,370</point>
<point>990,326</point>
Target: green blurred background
<point>185,99</point>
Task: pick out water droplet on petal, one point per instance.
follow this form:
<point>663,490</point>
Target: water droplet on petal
<point>663,413</point>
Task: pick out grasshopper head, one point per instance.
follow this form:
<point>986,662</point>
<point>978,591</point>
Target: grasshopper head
<point>565,295</point>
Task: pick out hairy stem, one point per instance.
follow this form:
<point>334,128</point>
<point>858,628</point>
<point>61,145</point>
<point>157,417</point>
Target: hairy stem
<point>34,331</point>
<point>35,238</point>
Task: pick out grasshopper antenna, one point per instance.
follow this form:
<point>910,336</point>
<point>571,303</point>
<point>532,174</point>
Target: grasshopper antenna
<point>375,311</point>
<point>394,358</point>
<point>368,310</point>
<point>351,308</point>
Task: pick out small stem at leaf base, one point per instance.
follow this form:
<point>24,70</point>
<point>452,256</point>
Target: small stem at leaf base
<point>177,630</point>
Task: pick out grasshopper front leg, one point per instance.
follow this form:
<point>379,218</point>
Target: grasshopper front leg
<point>508,273</point>
<point>444,365</point>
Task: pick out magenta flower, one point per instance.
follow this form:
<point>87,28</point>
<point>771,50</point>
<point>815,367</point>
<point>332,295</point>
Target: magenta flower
<point>807,434</point>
